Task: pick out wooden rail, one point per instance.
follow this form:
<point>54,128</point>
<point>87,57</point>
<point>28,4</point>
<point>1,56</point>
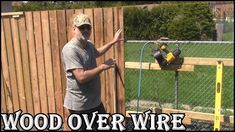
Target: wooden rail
<point>187,65</point>
<point>190,115</point>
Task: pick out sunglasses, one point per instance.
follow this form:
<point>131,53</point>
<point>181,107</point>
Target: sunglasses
<point>84,27</point>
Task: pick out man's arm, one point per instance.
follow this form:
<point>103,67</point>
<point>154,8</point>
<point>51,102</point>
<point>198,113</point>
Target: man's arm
<point>107,46</point>
<point>86,75</point>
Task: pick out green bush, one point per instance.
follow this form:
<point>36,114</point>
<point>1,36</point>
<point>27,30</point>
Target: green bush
<point>191,21</point>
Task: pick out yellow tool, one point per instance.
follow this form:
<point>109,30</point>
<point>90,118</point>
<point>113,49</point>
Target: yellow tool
<point>218,95</point>
<point>169,57</point>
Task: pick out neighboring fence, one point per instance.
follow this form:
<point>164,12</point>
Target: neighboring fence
<point>32,76</point>
<point>191,89</point>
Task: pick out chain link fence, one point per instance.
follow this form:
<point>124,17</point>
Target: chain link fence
<point>196,89</point>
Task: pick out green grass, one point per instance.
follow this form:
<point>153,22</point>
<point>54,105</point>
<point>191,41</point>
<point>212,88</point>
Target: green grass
<point>196,88</point>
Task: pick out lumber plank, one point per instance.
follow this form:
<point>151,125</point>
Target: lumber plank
<point>121,65</point>
<point>56,61</point>
<point>25,62</point>
<point>197,115</point>
<point>190,114</point>
<point>12,13</point>
<point>12,90</point>
<point>48,61</point>
<point>40,61</point>
<point>6,85</point>
<point>155,66</point>
<point>207,61</point>
<point>108,36</point>
<point>18,62</point>
<point>61,17</point>
<point>33,62</point>
<point>99,40</point>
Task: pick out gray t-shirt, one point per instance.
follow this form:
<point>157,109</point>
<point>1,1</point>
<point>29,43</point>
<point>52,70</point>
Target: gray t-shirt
<point>80,96</point>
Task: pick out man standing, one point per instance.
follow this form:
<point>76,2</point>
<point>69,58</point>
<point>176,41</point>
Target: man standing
<point>82,73</point>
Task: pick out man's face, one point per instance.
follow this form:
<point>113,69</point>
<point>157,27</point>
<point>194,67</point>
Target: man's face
<point>83,32</point>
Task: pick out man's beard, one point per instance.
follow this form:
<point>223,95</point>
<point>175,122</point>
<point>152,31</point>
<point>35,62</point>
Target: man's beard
<point>85,36</point>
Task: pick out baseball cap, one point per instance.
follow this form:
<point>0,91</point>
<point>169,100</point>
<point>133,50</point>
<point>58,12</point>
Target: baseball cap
<point>80,20</point>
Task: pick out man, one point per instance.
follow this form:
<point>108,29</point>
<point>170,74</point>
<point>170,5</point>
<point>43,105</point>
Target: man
<point>82,73</point>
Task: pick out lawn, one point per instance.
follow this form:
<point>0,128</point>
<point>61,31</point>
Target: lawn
<point>196,88</point>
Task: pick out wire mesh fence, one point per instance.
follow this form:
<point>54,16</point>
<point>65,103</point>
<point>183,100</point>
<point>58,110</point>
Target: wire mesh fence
<point>196,89</point>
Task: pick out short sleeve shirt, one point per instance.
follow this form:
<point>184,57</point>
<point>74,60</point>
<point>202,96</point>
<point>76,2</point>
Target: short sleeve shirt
<point>80,96</point>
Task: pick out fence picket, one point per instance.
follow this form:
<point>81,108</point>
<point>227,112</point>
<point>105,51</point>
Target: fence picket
<point>48,61</point>
<point>6,100</point>
<point>25,63</point>
<point>40,61</point>
<point>56,61</point>
<point>61,17</point>
<point>98,41</point>
<point>13,89</point>
<point>108,36</point>
<point>33,62</point>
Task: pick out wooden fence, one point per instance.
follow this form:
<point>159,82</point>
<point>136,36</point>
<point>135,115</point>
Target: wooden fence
<point>32,75</point>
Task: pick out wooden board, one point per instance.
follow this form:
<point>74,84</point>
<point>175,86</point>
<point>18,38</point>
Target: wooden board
<point>190,115</point>
<point>48,61</point>
<point>99,40</point>
<point>12,13</point>
<point>155,66</point>
<point>61,17</point>
<point>6,84</point>
<point>119,51</point>
<point>25,63</point>
<point>40,61</point>
<point>33,62</point>
<point>56,61</point>
<point>108,36</point>
<point>207,61</point>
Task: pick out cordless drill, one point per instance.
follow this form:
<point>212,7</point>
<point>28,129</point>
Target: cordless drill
<point>169,57</point>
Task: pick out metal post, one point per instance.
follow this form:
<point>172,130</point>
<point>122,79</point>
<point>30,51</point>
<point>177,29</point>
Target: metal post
<point>176,88</point>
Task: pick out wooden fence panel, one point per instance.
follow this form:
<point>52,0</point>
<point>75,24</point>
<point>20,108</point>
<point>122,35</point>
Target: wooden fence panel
<point>18,61</point>
<point>99,41</point>
<point>48,61</point>
<point>121,66</point>
<point>61,21</point>
<point>56,61</point>
<point>5,85</point>
<point>33,62</point>
<point>108,36</point>
<point>13,89</point>
<point>31,47</point>
<point>25,63</point>
<point>40,61</point>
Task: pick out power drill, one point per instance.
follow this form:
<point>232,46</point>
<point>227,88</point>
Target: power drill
<point>169,56</point>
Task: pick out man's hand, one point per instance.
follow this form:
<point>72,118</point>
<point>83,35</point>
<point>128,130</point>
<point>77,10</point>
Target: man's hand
<point>107,46</point>
<point>108,64</point>
<point>117,37</point>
